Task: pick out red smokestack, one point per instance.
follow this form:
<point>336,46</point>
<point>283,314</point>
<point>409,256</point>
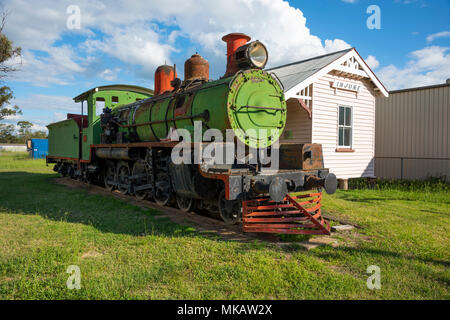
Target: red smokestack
<point>234,41</point>
<point>163,76</point>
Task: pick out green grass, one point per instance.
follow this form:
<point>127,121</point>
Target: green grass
<point>126,252</point>
<point>19,160</point>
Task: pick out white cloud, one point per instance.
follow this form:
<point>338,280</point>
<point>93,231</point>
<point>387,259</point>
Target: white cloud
<point>441,34</point>
<point>280,26</point>
<point>132,36</point>
<point>427,66</point>
<point>135,44</point>
<point>109,75</point>
<point>56,67</point>
<point>42,110</point>
<point>372,62</point>
<point>38,127</point>
<point>349,1</point>
<point>16,117</point>
<point>38,124</point>
<point>59,104</point>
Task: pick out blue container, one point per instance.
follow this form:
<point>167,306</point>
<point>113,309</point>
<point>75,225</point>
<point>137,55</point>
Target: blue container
<point>38,148</point>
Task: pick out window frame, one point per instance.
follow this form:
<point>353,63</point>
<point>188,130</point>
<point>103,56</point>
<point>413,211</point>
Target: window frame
<point>97,99</point>
<point>339,126</point>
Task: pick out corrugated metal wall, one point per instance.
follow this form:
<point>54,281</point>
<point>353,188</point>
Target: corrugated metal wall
<point>412,134</point>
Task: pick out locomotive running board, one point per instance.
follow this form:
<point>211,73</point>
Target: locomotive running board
<point>294,215</point>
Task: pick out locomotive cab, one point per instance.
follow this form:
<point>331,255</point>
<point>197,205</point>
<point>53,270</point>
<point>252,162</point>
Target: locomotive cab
<point>95,100</point>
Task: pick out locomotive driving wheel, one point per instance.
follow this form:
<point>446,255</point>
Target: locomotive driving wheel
<point>163,190</point>
<point>230,210</point>
<point>63,169</point>
<point>186,204</point>
<point>142,172</point>
<point>109,176</point>
<point>123,177</point>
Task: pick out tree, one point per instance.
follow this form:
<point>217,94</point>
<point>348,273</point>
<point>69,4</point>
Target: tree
<point>7,52</point>
<point>5,96</point>
<point>39,134</point>
<point>7,133</point>
<point>25,130</point>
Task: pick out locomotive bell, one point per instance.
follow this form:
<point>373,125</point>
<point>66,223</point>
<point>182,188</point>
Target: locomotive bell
<point>196,68</point>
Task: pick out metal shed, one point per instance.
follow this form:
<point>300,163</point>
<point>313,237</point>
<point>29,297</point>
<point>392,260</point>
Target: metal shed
<point>412,133</point>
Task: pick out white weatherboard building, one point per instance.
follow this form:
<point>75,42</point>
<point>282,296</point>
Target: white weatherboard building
<point>331,101</point>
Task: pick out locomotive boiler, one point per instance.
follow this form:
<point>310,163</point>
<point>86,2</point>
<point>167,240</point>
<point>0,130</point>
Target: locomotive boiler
<point>129,145</point>
<point>250,102</point>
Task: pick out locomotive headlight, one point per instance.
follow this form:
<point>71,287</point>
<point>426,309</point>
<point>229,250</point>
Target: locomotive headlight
<point>252,55</point>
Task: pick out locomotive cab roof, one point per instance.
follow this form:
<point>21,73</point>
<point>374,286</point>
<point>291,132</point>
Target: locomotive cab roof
<point>121,87</point>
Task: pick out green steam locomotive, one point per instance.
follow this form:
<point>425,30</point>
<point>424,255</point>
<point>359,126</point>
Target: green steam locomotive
<point>128,137</point>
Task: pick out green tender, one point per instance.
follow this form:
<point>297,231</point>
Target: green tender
<point>64,139</point>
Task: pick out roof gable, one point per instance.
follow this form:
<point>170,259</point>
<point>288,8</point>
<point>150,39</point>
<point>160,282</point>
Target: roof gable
<point>298,75</point>
<point>294,73</point>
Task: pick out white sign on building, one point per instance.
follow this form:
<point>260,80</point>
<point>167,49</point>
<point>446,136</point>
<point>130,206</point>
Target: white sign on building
<point>338,84</point>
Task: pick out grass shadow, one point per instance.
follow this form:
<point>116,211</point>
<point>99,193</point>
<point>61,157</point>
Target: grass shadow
<point>108,214</point>
<point>373,253</point>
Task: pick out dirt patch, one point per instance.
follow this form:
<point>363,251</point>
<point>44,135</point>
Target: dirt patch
<point>312,243</point>
<point>341,220</point>
<point>6,279</point>
<point>91,254</point>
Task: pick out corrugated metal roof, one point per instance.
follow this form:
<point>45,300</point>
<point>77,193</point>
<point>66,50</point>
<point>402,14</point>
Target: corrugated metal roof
<point>421,88</point>
<point>294,73</point>
<point>124,87</point>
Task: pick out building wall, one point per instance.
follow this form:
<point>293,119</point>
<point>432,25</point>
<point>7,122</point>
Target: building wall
<point>325,111</point>
<point>13,147</point>
<point>412,127</point>
<point>298,124</point>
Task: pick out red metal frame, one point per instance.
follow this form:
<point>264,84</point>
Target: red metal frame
<point>300,214</point>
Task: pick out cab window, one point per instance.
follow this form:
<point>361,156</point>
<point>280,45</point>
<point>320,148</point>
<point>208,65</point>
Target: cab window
<point>99,105</point>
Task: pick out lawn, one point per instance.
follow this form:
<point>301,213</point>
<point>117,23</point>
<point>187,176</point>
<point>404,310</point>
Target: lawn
<point>127,252</point>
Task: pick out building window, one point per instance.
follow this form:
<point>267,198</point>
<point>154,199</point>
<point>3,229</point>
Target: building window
<point>345,127</point>
<point>114,100</point>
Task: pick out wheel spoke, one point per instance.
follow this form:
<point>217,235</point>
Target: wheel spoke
<point>142,170</point>
<point>185,204</point>
<point>123,177</point>
<point>110,176</point>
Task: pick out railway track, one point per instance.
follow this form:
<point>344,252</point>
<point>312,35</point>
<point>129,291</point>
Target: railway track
<point>202,222</point>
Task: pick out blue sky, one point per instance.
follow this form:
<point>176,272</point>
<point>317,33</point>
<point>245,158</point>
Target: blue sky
<point>124,42</point>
